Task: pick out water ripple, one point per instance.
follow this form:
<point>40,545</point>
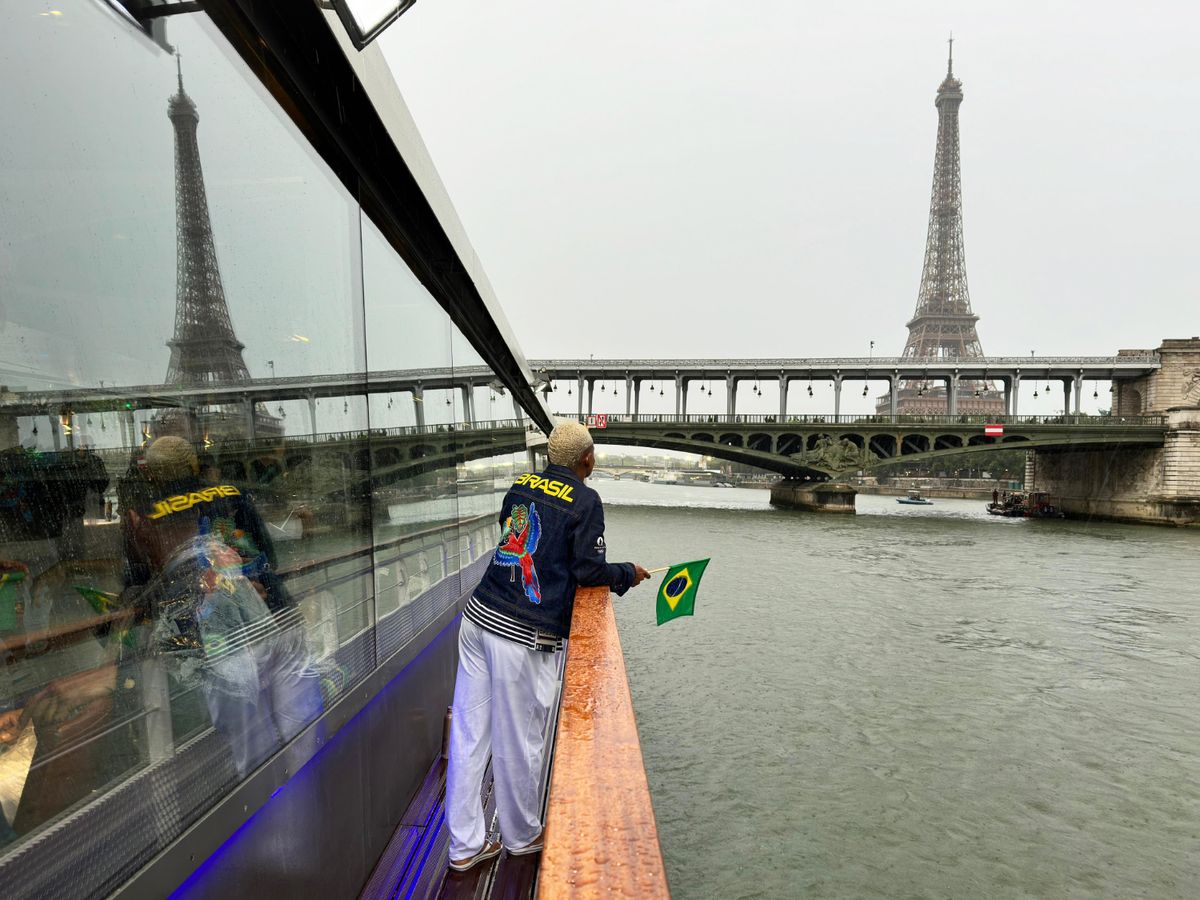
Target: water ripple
<point>894,705</point>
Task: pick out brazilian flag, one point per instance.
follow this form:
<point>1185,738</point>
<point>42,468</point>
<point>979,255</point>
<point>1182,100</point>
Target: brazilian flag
<point>677,594</point>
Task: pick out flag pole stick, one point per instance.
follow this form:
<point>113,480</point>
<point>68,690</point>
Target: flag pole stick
<point>656,571</point>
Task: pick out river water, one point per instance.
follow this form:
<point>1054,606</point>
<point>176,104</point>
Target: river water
<point>915,701</point>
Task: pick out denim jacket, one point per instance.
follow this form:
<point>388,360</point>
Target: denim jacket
<point>551,540</point>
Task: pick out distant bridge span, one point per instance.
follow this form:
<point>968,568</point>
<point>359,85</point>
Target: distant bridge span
<point>825,447</point>
<point>581,376</point>
<point>817,447</point>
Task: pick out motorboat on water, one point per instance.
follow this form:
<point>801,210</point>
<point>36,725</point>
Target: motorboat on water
<point>1035,505</point>
<point>914,498</point>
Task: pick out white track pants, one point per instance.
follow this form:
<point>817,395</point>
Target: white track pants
<point>502,698</point>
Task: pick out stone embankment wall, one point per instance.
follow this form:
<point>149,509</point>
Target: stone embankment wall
<point>1157,485</point>
<point>931,490</point>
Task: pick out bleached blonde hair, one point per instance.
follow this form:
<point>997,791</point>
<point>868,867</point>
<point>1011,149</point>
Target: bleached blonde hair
<point>569,441</point>
<point>170,458</point>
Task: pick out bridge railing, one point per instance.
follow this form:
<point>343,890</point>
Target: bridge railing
<point>768,367</point>
<point>876,420</point>
<point>326,437</point>
<point>288,441</point>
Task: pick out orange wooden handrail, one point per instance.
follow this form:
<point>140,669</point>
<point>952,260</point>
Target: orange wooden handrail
<point>601,837</point>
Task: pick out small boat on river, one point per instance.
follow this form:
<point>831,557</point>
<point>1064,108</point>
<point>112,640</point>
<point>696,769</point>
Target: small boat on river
<point>914,498</point>
<point>1035,505</point>
<point>1010,510</point>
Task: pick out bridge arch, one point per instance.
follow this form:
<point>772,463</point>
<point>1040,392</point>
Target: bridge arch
<point>761,442</point>
<point>387,456</point>
<point>703,444</point>
<point>793,454</point>
<point>789,443</point>
<point>233,470</point>
<point>883,445</point>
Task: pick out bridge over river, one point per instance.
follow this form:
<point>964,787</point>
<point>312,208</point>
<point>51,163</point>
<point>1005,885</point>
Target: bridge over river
<point>1147,452</point>
<point>820,448</point>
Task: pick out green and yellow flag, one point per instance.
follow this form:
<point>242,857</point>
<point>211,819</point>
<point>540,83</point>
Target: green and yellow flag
<point>677,594</point>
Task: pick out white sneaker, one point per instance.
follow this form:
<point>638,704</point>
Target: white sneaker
<point>490,849</point>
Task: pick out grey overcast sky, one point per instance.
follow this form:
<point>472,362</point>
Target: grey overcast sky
<point>752,179</point>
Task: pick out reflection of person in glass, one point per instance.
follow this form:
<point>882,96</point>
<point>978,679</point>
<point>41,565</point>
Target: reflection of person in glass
<point>221,615</point>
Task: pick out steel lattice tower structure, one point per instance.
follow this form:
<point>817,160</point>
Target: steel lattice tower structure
<point>204,348</point>
<point>943,324</point>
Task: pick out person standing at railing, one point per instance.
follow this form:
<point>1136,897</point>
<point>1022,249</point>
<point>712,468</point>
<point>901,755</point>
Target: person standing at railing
<point>551,541</point>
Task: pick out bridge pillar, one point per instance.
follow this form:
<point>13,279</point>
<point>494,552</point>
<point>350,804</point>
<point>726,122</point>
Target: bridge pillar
<point>680,395</point>
<point>312,412</point>
<point>9,432</point>
<point>468,404</point>
<point>591,388</point>
<point>952,394</point>
<point>128,425</point>
<point>251,425</point>
<point>579,390</point>
<point>893,400</point>
<point>1078,393</point>
<point>837,396</point>
<point>637,395</point>
<point>1014,392</point>
<point>730,396</point>
<point>418,397</point>
<point>629,388</point>
<point>823,498</point>
<point>55,432</point>
<point>783,395</point>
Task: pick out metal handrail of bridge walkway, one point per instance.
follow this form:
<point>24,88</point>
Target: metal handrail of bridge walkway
<point>879,366</point>
<point>870,420</point>
<point>81,399</point>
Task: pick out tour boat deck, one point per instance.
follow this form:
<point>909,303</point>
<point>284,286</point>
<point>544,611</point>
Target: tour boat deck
<point>415,863</point>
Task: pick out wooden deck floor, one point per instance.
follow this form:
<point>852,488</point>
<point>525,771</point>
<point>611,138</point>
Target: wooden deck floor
<point>416,861</point>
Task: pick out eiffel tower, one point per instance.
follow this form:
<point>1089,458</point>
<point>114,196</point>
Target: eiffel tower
<point>204,348</point>
<point>943,326</point>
